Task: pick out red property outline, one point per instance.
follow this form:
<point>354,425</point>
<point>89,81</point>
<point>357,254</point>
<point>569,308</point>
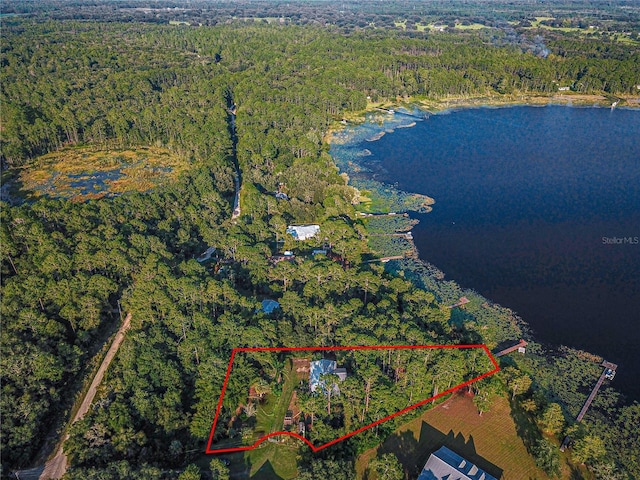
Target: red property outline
<point>361,429</point>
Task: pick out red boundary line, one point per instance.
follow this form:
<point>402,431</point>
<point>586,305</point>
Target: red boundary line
<point>361,429</point>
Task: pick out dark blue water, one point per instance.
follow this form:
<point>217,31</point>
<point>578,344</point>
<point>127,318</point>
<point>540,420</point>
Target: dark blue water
<point>524,197</point>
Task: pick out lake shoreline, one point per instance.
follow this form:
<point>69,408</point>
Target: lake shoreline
<point>434,106</point>
<point>415,265</point>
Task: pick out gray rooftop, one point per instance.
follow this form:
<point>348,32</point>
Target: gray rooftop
<point>444,464</point>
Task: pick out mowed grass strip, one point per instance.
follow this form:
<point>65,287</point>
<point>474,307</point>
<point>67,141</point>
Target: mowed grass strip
<point>276,457</point>
<point>490,440</point>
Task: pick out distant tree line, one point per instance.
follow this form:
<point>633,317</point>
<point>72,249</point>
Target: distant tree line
<point>65,266</point>
<point>356,15</point>
<point>156,86</point>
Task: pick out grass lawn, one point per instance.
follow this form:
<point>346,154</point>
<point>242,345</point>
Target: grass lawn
<point>265,415</point>
<point>490,440</point>
<point>274,460</point>
<point>270,459</point>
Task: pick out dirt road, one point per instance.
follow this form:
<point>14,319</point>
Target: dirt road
<point>57,466</point>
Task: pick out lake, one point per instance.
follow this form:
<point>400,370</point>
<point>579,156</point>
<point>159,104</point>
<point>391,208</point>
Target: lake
<point>538,209</point>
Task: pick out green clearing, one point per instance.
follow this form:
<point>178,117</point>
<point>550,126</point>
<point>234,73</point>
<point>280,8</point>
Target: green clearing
<point>274,460</point>
<point>472,26</point>
<point>84,173</point>
<point>490,441</point>
<point>270,415</point>
<point>620,37</point>
<point>276,457</point>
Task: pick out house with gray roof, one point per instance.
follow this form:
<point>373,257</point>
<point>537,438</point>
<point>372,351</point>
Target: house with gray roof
<point>445,464</point>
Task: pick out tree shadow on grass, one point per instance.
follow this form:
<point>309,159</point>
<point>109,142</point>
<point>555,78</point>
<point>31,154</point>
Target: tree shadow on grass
<point>574,472</point>
<point>413,454</point>
<point>266,472</point>
<point>526,428</point>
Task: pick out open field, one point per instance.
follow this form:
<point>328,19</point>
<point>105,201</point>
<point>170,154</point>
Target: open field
<point>490,440</point>
<point>83,173</point>
<point>590,31</point>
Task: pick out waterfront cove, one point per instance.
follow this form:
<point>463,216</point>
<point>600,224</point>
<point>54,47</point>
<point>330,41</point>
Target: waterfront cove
<point>536,208</point>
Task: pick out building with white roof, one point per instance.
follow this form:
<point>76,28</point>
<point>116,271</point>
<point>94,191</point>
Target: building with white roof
<point>303,232</point>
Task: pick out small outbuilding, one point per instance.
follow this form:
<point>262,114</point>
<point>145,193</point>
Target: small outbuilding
<point>288,418</point>
<point>206,255</point>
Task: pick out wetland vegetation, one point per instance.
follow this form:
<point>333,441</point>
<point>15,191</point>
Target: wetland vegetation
<point>84,173</point>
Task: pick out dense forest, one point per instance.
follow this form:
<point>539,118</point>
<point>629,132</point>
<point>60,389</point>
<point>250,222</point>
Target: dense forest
<point>262,96</point>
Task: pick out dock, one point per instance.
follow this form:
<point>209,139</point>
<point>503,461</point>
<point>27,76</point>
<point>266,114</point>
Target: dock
<point>462,301</point>
<point>385,259</point>
<point>407,114</point>
<point>390,214</point>
<point>517,346</point>
<point>609,371</point>
<point>405,235</point>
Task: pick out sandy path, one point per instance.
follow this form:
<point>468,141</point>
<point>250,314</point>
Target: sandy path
<point>57,466</point>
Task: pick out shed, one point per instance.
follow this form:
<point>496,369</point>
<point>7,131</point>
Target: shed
<point>288,418</point>
<point>206,255</point>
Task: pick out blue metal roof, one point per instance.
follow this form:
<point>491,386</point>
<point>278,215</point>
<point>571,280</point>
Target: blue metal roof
<point>269,306</point>
<point>318,368</point>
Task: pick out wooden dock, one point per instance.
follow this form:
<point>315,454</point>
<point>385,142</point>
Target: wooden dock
<point>405,235</point>
<point>608,372</point>
<point>462,301</point>
<point>520,344</point>
<point>390,214</point>
<point>395,257</point>
<point>607,366</point>
<point>385,259</point>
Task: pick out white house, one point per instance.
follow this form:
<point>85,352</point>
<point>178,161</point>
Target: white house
<point>303,232</point>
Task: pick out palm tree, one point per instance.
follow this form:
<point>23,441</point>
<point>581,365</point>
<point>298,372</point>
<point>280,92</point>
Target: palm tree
<point>249,410</point>
<point>262,388</point>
